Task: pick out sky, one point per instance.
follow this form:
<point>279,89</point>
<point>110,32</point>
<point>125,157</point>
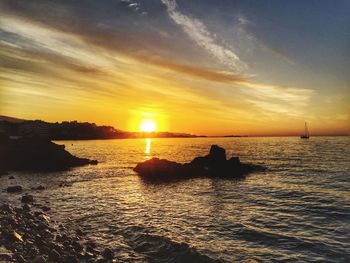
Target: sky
<point>204,67</point>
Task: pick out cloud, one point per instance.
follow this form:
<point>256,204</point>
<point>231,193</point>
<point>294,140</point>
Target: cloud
<point>199,33</point>
<point>99,57</point>
<point>242,27</point>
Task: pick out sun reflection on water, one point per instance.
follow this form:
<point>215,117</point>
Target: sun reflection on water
<point>148,147</point>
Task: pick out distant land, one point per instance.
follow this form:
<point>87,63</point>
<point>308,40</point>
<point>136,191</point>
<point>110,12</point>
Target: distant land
<point>73,130</point>
<point>10,119</point>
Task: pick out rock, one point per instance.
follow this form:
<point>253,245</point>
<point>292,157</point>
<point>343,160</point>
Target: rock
<point>5,254</point>
<point>29,237</point>
<point>46,208</point>
<point>26,208</point>
<point>29,154</point>
<point>77,246</point>
<point>6,208</point>
<point>93,162</point>
<point>27,199</point>
<point>79,232</point>
<point>3,172</point>
<point>71,259</point>
<point>14,189</point>
<point>217,154</point>
<point>33,253</point>
<point>19,258</point>
<point>101,260</point>
<point>40,187</point>
<point>212,165</point>
<point>39,259</point>
<point>54,256</point>
<point>11,177</point>
<point>108,254</point>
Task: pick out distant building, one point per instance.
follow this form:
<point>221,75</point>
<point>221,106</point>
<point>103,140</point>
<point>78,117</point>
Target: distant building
<point>34,129</point>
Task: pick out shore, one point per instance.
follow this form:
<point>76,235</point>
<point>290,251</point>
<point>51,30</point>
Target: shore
<point>28,234</point>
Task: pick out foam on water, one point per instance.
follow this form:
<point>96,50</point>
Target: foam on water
<point>299,209</point>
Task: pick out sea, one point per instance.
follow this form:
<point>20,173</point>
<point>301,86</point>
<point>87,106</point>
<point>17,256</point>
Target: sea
<point>298,210</point>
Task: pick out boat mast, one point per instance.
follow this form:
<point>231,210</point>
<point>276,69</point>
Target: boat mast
<point>306,130</point>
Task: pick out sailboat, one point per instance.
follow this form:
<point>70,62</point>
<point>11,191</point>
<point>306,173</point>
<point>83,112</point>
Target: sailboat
<point>306,133</point>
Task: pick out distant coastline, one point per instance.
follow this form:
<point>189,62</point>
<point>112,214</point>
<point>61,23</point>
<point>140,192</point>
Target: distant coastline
<point>74,130</point>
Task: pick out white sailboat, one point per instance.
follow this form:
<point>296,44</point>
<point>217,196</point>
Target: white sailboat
<point>306,133</point>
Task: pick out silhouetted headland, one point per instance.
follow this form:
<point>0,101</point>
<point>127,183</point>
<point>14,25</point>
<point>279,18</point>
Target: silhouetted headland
<point>212,165</point>
<point>36,155</point>
<point>73,130</point>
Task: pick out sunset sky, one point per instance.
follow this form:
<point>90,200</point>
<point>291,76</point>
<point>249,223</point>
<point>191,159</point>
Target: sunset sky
<point>204,67</point>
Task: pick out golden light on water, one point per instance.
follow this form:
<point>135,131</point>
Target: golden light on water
<point>148,126</point>
<point>148,146</point>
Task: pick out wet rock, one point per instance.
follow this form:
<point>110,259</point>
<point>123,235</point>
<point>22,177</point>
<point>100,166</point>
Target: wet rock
<point>29,235</point>
<point>6,208</point>
<point>77,246</point>
<point>79,232</point>
<point>101,260</point>
<point>65,184</point>
<point>107,254</point>
<point>19,258</point>
<point>14,189</point>
<point>54,256</point>
<point>5,254</point>
<point>70,259</point>
<point>46,208</point>
<point>39,259</point>
<point>33,253</point>
<point>212,165</point>
<point>26,208</point>
<point>27,199</point>
<point>13,236</point>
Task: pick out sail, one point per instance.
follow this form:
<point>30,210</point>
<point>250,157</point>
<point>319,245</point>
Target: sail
<point>306,133</point>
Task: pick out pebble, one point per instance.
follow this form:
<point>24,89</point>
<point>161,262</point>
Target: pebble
<point>108,254</point>
<point>40,187</point>
<point>54,256</point>
<point>30,236</point>
<point>26,208</point>
<point>14,189</point>
<point>27,199</point>
<point>39,259</point>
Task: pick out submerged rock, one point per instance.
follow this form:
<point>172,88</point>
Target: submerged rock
<point>214,164</point>
<point>14,189</point>
<point>37,155</point>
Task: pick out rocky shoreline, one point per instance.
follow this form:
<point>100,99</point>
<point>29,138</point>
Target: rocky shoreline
<point>29,235</point>
<point>36,155</point>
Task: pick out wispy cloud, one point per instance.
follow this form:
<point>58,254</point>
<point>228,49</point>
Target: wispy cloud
<point>242,27</point>
<point>199,33</point>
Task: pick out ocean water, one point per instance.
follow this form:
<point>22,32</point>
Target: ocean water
<point>297,210</point>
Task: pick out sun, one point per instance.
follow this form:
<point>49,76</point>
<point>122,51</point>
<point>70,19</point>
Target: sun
<point>148,126</point>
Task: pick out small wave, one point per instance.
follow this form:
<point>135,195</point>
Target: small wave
<point>162,249</point>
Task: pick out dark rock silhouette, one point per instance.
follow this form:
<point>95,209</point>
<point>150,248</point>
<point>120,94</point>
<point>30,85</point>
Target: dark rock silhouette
<point>27,198</point>
<point>37,155</point>
<point>214,164</point>
<point>14,189</point>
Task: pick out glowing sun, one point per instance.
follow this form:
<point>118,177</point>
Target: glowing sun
<point>148,126</point>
